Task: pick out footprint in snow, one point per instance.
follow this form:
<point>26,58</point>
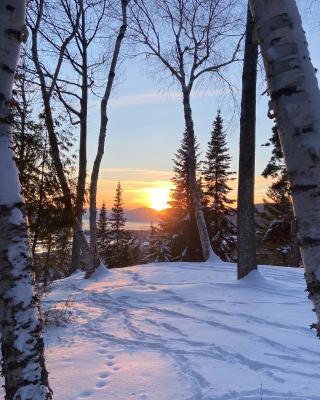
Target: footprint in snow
<point>104,375</point>
<point>109,363</point>
<point>85,394</point>
<point>101,384</point>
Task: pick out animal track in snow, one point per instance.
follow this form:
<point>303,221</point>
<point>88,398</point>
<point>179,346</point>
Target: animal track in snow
<point>109,363</point>
<point>86,393</point>
<point>101,384</point>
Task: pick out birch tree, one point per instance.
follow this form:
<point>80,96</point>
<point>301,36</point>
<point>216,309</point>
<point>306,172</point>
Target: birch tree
<point>102,136</point>
<point>295,104</point>
<point>246,231</point>
<point>189,40</point>
<point>22,348</point>
<point>86,57</point>
<point>48,78</point>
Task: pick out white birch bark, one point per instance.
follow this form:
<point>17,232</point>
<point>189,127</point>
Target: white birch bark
<point>101,141</point>
<point>22,346</point>
<point>207,251</point>
<point>295,103</point>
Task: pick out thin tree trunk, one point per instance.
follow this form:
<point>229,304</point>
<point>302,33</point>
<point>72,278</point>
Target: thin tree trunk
<point>246,232</point>
<point>40,203</point>
<point>295,103</point>
<point>46,266</point>
<point>101,142</point>
<point>82,173</point>
<point>207,251</point>
<point>54,145</point>
<point>23,364</point>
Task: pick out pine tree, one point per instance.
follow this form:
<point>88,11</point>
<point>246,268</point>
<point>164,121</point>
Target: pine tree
<point>179,220</point>
<point>278,240</point>
<point>117,237</point>
<point>216,174</point>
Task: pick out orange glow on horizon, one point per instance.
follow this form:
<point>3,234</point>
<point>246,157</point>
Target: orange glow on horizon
<point>159,197</point>
<point>143,188</point>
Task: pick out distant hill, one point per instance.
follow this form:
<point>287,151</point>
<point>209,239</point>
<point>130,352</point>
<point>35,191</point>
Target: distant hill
<point>143,214</point>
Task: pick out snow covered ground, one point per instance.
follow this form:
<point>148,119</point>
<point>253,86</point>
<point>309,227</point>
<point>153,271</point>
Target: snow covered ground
<point>183,331</point>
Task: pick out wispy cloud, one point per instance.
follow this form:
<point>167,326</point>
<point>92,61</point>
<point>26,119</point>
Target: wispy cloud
<point>135,99</point>
<point>135,174</point>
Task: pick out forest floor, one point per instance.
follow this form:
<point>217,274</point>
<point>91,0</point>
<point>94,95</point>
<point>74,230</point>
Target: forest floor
<point>184,331</point>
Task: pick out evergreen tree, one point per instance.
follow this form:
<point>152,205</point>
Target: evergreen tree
<point>117,237</point>
<point>218,206</point>
<point>275,231</point>
<point>159,246</point>
<point>49,226</point>
<point>179,220</point>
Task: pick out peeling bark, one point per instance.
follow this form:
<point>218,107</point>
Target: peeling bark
<point>246,230</point>
<point>23,364</point>
<point>295,104</point>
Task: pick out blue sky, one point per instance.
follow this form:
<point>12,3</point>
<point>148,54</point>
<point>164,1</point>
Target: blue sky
<point>146,123</point>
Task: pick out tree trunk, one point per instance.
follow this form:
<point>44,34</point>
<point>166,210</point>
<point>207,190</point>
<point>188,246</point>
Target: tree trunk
<point>295,103</point>
<point>53,140</point>
<point>81,185</point>
<point>246,232</point>
<point>207,251</point>
<point>82,173</point>
<point>101,142</point>
<point>23,364</point>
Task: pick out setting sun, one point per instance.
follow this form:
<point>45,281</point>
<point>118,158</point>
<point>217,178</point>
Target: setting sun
<point>159,198</point>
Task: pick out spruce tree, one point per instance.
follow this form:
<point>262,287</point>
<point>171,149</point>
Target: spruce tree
<point>117,237</point>
<point>159,246</point>
<point>179,220</point>
<point>278,242</point>
<point>48,223</point>
<point>216,174</point>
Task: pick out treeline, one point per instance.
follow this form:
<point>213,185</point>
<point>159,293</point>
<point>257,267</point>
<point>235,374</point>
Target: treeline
<point>176,237</point>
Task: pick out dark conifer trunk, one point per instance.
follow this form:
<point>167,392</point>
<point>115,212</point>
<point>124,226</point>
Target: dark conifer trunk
<point>246,253</point>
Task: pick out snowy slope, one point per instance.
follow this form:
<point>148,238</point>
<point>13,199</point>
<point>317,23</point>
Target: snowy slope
<point>185,331</point>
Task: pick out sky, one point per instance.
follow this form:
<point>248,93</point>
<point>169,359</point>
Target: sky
<point>146,125</point>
